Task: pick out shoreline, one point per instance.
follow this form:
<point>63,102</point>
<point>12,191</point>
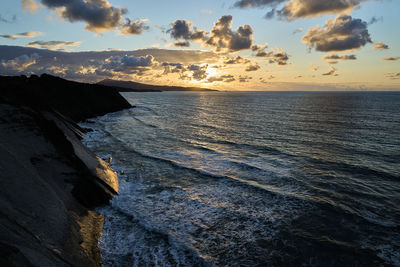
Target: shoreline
<point>51,182</point>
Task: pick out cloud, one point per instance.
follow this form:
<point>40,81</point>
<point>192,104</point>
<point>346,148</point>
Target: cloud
<point>173,67</point>
<point>299,30</point>
<point>380,46</point>
<point>207,11</point>
<point>337,57</point>
<point>254,67</point>
<point>314,68</point>
<point>279,57</point>
<point>134,27</point>
<point>29,5</point>
<point>332,71</point>
<point>183,29</point>
<point>236,60</point>
<point>19,63</point>
<point>260,50</point>
<point>244,79</point>
<point>374,20</point>
<point>339,34</point>
<point>256,3</point>
<point>99,15</point>
<point>294,9</point>
<point>23,35</point>
<point>181,44</point>
<point>390,58</point>
<point>198,72</point>
<point>189,72</point>
<point>223,78</point>
<point>12,20</point>
<point>53,45</point>
<point>93,66</point>
<point>129,64</point>
<point>223,38</point>
<point>393,75</point>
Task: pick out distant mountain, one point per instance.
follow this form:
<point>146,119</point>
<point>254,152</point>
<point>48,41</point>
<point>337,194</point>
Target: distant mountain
<point>127,86</point>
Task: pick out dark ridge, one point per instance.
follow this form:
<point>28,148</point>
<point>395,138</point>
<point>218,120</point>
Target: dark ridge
<point>128,86</point>
<point>78,101</point>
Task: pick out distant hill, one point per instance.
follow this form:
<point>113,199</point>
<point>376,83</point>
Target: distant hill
<point>127,86</point>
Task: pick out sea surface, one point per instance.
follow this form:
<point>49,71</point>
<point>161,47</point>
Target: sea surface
<point>252,179</point>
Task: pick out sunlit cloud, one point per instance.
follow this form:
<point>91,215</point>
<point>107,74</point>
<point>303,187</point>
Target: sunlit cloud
<point>30,5</point>
<point>53,45</point>
<point>23,35</point>
<point>331,72</point>
<point>294,9</point>
<point>20,63</point>
<point>390,58</point>
<point>380,46</point>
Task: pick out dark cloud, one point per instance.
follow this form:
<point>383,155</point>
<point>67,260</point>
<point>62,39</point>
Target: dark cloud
<point>223,38</point>
<point>52,45</point>
<point>374,20</point>
<point>236,60</point>
<point>183,29</point>
<point>380,46</point>
<point>99,15</point>
<point>173,67</point>
<point>390,58</point>
<point>294,9</point>
<point>260,50</point>
<point>256,3</point>
<point>198,71</point>
<point>189,72</point>
<point>182,44</point>
<point>129,64</point>
<point>134,27</point>
<point>224,78</point>
<point>244,79</point>
<point>331,72</point>
<point>253,67</point>
<point>22,35</point>
<point>339,34</point>
<point>280,58</point>
<point>92,66</point>
<point>337,57</point>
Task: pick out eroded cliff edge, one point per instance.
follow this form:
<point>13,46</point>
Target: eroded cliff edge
<point>49,181</point>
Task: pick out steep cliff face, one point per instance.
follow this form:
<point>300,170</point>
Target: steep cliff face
<point>49,181</point>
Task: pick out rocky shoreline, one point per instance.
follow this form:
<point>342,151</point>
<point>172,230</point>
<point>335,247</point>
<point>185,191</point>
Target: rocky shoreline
<point>50,182</point>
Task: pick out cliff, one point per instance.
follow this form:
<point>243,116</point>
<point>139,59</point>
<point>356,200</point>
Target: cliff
<point>49,181</point>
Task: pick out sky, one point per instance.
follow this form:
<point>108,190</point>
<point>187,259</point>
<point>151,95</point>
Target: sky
<point>225,45</point>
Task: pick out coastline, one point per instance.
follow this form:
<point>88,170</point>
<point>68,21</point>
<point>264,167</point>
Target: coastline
<point>50,181</point>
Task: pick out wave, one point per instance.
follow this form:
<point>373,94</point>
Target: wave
<point>156,232</point>
<point>145,123</point>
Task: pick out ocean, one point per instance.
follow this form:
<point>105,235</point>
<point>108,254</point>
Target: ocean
<point>252,179</point>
